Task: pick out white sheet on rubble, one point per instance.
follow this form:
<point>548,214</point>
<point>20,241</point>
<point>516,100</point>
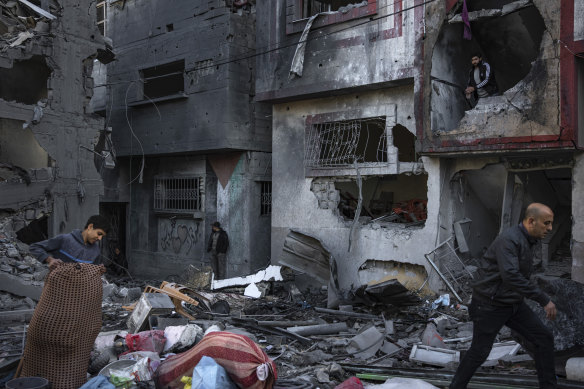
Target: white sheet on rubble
<point>401,383</point>
<point>270,273</point>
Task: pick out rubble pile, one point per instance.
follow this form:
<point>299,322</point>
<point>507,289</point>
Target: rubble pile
<point>22,20</point>
<point>145,322</point>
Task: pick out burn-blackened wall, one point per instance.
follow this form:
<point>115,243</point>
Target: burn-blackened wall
<point>175,83</point>
<point>185,124</point>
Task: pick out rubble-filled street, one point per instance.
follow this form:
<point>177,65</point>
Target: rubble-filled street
<point>221,194</point>
<point>312,346</point>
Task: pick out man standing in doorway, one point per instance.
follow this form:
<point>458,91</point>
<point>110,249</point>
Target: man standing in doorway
<point>218,244</point>
<point>498,298</point>
<point>481,80</point>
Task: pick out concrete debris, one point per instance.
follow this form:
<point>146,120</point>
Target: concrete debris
<point>366,344</point>
<point>271,273</point>
<point>433,355</point>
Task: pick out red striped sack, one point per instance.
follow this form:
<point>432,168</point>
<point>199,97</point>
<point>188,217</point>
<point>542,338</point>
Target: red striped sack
<point>247,364</point>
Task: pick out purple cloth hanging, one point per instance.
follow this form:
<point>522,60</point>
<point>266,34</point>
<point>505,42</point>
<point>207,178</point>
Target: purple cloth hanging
<point>467,32</point>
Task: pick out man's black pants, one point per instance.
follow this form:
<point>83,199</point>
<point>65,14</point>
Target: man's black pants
<point>487,321</point>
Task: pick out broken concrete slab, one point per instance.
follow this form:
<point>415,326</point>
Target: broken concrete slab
<point>366,344</point>
<point>271,273</point>
<point>501,350</point>
<point>306,254</point>
<point>20,287</point>
<point>433,356</point>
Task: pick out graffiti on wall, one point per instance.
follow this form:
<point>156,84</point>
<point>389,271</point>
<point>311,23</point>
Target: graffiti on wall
<point>178,236</point>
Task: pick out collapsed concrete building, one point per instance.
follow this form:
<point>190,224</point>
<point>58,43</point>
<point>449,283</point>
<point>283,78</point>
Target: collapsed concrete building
<point>379,163</point>
<point>48,181</point>
<point>191,145</point>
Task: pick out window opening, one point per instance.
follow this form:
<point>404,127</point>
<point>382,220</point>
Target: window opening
<point>313,7</point>
<point>405,142</point>
<point>164,80</point>
<point>387,199</point>
<point>178,194</point>
<point>101,8</point>
<point>266,198</point>
<point>26,81</point>
<point>341,143</point>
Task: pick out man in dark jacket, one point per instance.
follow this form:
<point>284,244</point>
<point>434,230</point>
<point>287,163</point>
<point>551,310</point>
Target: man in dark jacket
<point>76,246</point>
<point>498,298</point>
<point>218,244</point>
<point>481,80</point>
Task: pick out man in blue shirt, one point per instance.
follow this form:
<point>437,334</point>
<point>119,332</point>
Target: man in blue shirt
<point>76,246</point>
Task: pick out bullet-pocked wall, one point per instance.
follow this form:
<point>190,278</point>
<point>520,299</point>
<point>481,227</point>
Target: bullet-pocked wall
<point>45,87</point>
<point>297,201</point>
<point>174,85</point>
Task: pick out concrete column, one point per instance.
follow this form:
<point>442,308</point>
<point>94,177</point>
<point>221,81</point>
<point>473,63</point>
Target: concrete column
<point>578,219</point>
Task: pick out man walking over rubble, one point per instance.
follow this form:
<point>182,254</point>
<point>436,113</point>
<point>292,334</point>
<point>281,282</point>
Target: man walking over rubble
<point>218,244</point>
<point>481,80</point>
<point>76,246</point>
<point>498,298</point>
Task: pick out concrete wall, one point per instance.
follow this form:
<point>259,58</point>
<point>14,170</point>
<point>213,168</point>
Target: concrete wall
<point>578,220</point>
<point>165,243</point>
<point>238,211</point>
<point>578,20</point>
<point>295,205</point>
<point>215,110</point>
<point>527,74</point>
<point>361,54</point>
<point>74,184</point>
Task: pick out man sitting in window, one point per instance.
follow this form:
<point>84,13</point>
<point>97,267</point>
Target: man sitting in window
<point>481,80</point>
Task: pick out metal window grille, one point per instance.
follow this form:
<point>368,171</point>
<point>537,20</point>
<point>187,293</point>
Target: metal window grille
<point>334,144</point>
<point>451,268</point>
<point>266,198</point>
<point>178,194</point>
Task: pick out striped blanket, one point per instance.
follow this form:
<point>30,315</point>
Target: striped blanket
<point>246,363</point>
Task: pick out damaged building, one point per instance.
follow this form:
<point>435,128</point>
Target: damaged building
<point>48,181</point>
<point>191,145</point>
<point>379,160</point>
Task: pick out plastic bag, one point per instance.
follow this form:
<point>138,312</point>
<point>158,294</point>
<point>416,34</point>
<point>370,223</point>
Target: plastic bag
<point>208,374</point>
<point>351,383</point>
<point>443,300</point>
<point>180,337</point>
<point>401,383</point>
<point>146,341</point>
<point>140,371</point>
<point>154,358</point>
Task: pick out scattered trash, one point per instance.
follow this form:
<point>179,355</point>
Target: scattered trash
<point>443,300</point>
<point>208,374</point>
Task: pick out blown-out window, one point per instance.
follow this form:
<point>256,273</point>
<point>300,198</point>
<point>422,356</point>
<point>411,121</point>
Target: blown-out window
<point>164,80</point>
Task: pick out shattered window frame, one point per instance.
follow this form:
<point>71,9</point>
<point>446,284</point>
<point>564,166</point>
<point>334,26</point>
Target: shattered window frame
<point>329,154</point>
<point>179,194</point>
<point>296,19</point>
<point>101,9</point>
